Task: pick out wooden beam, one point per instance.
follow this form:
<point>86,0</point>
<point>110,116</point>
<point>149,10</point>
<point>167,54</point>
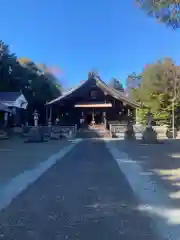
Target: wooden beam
<point>95,105</point>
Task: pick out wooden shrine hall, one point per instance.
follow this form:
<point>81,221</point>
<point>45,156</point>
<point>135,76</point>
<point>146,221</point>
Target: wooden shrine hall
<point>92,103</point>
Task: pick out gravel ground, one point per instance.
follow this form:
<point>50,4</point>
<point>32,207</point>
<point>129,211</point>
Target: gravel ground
<point>84,196</point>
<point>17,156</point>
<point>162,160</point>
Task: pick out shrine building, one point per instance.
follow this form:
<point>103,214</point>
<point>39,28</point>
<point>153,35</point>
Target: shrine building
<point>92,102</point>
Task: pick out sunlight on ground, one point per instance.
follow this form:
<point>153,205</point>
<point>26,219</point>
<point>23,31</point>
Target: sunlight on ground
<point>172,216</point>
<point>108,205</point>
<point>177,184</point>
<point>169,174</point>
<point>175,195</point>
<point>126,161</point>
<point>174,155</point>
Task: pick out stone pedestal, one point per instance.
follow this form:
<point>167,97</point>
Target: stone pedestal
<point>149,135</point>
<point>129,133</point>
<point>169,133</point>
<point>54,135</point>
<point>3,135</point>
<point>36,136</point>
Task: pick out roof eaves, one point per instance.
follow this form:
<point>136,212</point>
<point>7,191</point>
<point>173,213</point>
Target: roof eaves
<point>118,95</point>
<point>66,94</point>
<point>125,98</point>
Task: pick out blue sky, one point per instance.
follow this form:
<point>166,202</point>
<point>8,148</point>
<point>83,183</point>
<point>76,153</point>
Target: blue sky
<point>112,36</point>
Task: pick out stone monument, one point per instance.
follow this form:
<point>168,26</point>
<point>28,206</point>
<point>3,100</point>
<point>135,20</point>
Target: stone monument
<point>36,132</point>
<point>149,134</point>
<point>55,133</point>
<point>129,133</point>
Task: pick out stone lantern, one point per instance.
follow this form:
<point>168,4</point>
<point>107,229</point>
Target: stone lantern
<point>57,120</point>
<point>149,119</point>
<point>36,118</point>
<point>149,135</point>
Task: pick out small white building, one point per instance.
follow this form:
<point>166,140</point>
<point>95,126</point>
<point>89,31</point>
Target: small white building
<point>13,99</point>
<point>12,104</point>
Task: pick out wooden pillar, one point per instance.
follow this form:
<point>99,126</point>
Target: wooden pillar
<point>136,115</point>
<point>50,117</point>
<point>47,114</point>
<point>50,114</point>
<point>93,120</point>
<point>105,120</point>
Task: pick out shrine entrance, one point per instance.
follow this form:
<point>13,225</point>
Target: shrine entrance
<point>93,115</point>
<point>93,123</point>
<point>88,119</point>
<point>96,115</point>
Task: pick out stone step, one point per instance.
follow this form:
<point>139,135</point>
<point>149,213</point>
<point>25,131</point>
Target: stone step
<point>92,134</point>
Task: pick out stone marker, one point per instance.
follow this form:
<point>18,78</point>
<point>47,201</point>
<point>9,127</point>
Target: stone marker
<point>37,135</point>
<point>3,135</point>
<point>54,135</point>
<point>169,133</point>
<point>25,131</point>
<point>129,133</point>
<point>149,135</point>
<point>55,132</point>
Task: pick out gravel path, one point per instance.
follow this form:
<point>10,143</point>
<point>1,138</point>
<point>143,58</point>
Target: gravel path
<point>161,160</point>
<point>84,196</point>
<point>17,156</point>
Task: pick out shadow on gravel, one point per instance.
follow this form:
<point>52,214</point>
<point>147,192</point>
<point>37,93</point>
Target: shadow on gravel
<point>83,197</point>
<point>162,163</point>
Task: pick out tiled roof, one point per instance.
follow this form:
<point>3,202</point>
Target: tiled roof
<point>64,94</point>
<point>116,94</point>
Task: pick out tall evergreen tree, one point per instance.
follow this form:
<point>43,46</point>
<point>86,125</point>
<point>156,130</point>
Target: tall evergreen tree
<point>26,76</point>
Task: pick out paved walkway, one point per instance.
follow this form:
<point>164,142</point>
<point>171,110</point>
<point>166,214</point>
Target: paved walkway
<point>84,196</point>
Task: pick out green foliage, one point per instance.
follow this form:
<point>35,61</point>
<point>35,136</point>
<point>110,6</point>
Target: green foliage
<point>142,115</point>
<point>159,85</point>
<point>132,84</point>
<point>166,11</point>
<point>24,75</point>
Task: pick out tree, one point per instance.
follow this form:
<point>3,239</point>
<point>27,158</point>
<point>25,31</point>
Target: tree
<point>49,74</point>
<point>156,91</point>
<point>8,62</point>
<point>166,11</point>
<point>44,84</point>
<point>132,83</point>
<point>26,76</point>
<point>116,84</point>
